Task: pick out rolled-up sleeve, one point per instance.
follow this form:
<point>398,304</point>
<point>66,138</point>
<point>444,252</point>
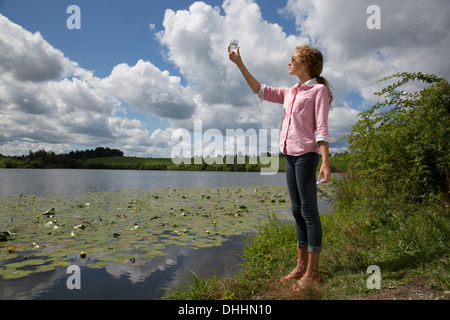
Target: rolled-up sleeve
<point>321,114</point>
<point>271,94</point>
<point>261,92</point>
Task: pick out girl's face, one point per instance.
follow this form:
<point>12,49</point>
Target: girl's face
<point>296,67</point>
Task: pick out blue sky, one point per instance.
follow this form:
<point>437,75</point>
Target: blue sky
<point>137,72</point>
<point>112,31</point>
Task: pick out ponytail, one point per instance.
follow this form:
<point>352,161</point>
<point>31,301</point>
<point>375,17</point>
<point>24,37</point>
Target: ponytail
<point>313,58</point>
<point>325,82</point>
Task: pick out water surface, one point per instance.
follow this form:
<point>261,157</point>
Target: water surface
<point>148,278</point>
<point>66,181</point>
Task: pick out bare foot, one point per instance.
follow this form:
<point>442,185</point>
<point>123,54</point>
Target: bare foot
<point>297,273</point>
<point>307,279</point>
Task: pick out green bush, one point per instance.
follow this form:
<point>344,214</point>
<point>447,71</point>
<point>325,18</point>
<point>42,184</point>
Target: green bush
<point>400,146</point>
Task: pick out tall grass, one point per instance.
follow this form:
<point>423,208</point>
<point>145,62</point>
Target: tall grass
<point>405,241</point>
<point>197,289</point>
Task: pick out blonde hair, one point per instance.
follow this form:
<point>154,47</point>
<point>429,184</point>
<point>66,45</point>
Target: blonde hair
<point>313,59</point>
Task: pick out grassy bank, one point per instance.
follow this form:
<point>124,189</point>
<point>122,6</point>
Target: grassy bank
<point>409,245</point>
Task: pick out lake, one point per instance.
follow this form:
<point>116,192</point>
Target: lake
<point>66,181</point>
<point>150,278</point>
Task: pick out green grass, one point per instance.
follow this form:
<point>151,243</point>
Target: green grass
<point>407,243</point>
<point>199,289</point>
<point>336,163</point>
<point>129,161</point>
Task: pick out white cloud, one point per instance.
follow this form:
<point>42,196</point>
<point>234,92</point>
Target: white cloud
<point>414,36</point>
<point>196,41</point>
<point>17,147</point>
<point>28,56</point>
<point>340,121</point>
<point>144,87</point>
<point>48,101</point>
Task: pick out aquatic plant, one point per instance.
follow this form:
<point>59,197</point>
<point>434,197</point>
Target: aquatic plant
<point>125,226</point>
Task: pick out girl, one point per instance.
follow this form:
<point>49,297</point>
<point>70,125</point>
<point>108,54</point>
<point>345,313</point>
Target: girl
<point>303,134</point>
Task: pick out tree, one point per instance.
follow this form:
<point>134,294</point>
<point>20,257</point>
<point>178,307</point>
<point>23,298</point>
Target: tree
<point>400,147</point>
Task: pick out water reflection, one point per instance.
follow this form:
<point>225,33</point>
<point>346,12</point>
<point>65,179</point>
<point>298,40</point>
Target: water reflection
<point>143,279</point>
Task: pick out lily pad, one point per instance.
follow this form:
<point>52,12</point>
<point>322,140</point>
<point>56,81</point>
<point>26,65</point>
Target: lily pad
<point>49,212</point>
<point>6,235</point>
<point>14,274</point>
<point>97,265</point>
<point>113,227</point>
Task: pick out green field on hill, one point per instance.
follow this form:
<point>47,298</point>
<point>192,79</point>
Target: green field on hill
<point>337,164</point>
<point>47,160</point>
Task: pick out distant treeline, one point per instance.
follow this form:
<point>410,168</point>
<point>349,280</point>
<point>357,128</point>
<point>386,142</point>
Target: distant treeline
<point>105,158</point>
<point>99,152</point>
<point>48,159</point>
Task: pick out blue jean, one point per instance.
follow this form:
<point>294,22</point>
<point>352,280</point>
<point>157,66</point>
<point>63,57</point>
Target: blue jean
<point>301,182</point>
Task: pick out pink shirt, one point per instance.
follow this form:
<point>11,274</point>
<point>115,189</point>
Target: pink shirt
<point>305,116</point>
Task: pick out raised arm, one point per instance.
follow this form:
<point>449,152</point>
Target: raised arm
<point>236,58</point>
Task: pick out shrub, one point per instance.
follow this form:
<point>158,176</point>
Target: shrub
<point>400,146</point>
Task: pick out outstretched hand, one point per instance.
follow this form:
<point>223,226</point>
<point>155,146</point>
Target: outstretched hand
<point>234,56</point>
